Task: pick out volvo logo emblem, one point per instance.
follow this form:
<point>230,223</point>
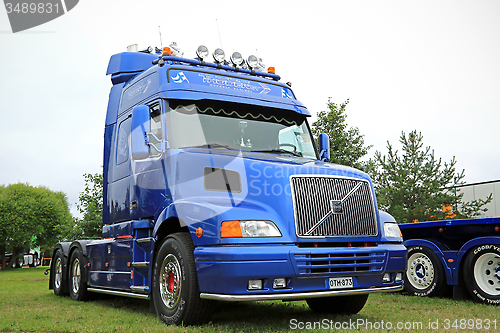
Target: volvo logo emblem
<point>336,207</point>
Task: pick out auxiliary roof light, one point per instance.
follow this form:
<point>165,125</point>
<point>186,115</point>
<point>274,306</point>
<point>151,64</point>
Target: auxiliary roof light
<point>219,55</point>
<point>202,52</point>
<point>252,61</point>
<point>176,51</point>
<point>237,59</point>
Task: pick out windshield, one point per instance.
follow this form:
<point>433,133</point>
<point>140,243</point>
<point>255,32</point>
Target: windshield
<point>213,124</point>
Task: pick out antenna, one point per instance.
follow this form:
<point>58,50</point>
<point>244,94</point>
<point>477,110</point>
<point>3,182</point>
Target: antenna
<point>161,42</point>
<point>218,31</point>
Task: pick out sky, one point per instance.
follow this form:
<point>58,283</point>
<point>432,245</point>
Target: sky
<point>430,66</point>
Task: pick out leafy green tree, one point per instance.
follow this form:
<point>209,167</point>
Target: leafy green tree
<point>419,187</point>
<point>347,145</point>
<point>90,206</point>
<point>30,217</point>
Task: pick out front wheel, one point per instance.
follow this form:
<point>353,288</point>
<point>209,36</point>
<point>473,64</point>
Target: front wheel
<point>482,273</point>
<point>424,273</point>
<point>338,304</point>
<point>176,294</point>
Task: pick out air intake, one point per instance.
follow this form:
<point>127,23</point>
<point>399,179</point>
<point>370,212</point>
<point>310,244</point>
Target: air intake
<point>222,180</point>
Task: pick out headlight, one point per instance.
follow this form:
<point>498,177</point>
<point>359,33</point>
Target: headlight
<point>392,230</point>
<point>230,229</point>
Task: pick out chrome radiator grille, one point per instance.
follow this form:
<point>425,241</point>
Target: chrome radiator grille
<point>333,207</point>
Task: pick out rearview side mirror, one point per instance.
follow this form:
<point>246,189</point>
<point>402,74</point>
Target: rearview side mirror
<point>139,136</point>
<point>324,147</point>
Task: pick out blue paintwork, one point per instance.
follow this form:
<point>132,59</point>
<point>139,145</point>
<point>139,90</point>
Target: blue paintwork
<point>142,196</point>
<point>454,241</point>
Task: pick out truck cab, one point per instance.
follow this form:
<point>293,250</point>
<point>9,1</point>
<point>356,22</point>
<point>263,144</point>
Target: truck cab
<point>215,189</point>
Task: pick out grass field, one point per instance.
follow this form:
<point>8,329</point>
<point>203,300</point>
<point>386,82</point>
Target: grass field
<point>26,305</point>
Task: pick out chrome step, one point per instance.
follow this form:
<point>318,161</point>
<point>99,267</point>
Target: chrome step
<point>144,240</point>
<point>140,264</point>
<point>140,289</point>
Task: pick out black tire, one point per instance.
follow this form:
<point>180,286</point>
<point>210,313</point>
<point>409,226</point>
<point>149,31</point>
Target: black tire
<point>338,305</point>
<point>57,274</point>
<point>481,272</point>
<point>424,273</point>
<point>77,280</point>
<point>176,294</point>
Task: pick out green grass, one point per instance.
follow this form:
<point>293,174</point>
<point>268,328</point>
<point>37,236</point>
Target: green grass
<point>26,305</point>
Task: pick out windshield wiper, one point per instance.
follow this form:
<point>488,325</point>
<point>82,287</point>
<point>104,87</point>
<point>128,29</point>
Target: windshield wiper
<point>210,145</point>
<point>279,151</point>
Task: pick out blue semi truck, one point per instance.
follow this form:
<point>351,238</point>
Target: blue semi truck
<point>460,254</point>
<point>214,189</point>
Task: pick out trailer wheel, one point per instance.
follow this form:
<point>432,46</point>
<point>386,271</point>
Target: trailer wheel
<point>76,277</point>
<point>176,294</point>
<point>482,273</point>
<point>424,273</point>
<point>57,274</point>
<point>338,304</point>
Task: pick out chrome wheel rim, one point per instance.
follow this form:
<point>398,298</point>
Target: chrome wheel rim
<point>75,276</point>
<point>420,272</point>
<point>487,273</point>
<point>58,273</point>
<point>170,281</point>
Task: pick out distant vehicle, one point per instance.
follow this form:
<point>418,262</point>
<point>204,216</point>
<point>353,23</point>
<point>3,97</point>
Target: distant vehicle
<point>30,258</point>
<point>8,257</point>
<point>462,254</point>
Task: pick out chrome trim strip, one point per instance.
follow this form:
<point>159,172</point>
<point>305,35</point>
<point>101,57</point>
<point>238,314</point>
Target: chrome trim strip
<point>299,296</point>
<point>118,293</point>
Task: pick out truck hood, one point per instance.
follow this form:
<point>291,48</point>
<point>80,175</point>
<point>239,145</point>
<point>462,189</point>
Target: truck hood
<point>258,186</point>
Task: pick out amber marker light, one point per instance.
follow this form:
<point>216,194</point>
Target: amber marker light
<point>230,229</point>
<point>450,260</point>
<point>271,70</point>
<point>199,232</point>
<point>497,228</point>
<point>166,51</point>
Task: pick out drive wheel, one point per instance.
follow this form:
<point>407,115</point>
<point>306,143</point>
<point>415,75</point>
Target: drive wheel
<point>338,304</point>
<point>424,274</point>
<point>57,274</point>
<point>76,278</point>
<point>482,274</point>
<point>176,295</point>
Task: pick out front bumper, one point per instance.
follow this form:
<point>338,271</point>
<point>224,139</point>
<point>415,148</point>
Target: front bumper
<point>224,271</point>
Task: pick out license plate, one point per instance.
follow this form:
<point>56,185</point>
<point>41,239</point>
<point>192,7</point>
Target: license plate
<point>340,283</point>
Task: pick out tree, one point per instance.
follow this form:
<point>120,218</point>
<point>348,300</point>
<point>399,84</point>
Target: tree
<point>90,206</point>
<point>347,145</point>
<point>419,187</point>
<point>30,217</point>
